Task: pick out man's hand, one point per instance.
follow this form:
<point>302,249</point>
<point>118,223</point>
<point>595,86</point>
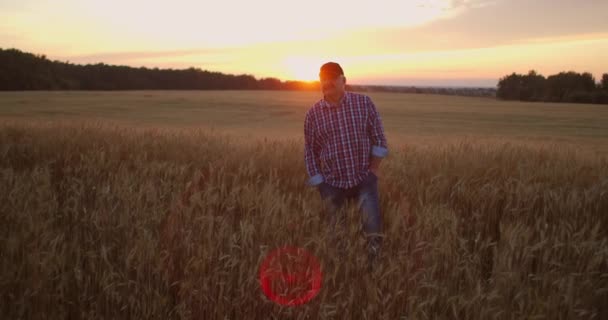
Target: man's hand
<point>374,165</point>
<point>374,171</point>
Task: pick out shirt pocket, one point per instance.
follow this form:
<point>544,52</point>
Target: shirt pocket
<point>357,122</point>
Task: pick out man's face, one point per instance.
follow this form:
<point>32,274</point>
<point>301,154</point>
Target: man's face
<point>332,85</point>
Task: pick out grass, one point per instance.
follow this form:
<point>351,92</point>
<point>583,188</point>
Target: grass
<point>103,220</point>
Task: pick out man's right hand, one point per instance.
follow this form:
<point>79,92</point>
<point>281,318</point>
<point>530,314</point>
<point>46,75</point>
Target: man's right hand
<point>323,189</point>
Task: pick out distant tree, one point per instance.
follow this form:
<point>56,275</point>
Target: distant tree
<point>270,83</point>
<point>510,87</point>
<point>562,87</point>
<point>604,82</point>
<point>565,85</point>
<point>532,87</point>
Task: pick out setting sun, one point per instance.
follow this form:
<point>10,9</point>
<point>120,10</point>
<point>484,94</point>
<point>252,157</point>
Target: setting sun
<point>302,68</point>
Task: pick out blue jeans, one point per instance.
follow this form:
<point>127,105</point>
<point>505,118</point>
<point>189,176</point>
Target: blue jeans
<point>366,193</point>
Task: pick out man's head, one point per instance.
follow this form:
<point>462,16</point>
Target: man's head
<point>332,80</point>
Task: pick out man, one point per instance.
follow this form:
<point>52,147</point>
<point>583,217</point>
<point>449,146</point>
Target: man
<point>344,144</point>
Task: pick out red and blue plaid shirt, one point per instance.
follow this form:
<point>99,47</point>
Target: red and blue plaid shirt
<point>340,139</point>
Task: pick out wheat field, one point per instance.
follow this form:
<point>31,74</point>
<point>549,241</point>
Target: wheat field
<point>113,221</point>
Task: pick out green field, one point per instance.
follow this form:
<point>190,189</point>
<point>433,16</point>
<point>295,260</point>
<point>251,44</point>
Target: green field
<point>408,118</point>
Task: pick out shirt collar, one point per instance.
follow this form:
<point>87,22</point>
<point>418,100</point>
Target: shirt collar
<point>345,99</point>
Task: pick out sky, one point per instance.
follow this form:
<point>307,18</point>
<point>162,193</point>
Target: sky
<point>380,42</point>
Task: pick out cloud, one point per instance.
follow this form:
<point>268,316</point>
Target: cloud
<point>482,24</point>
<point>147,55</point>
<point>471,4</point>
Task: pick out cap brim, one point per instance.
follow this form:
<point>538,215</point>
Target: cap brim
<point>331,75</point>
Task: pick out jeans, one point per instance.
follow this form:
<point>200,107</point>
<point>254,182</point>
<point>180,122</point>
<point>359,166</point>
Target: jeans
<point>366,193</point>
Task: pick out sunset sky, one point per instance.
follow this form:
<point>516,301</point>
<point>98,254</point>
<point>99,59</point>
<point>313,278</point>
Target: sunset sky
<point>399,42</point>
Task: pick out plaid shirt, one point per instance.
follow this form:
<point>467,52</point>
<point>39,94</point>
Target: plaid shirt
<point>340,139</point>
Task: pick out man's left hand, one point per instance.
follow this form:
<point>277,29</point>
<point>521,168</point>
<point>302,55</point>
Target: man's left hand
<point>374,170</point>
<point>374,165</point>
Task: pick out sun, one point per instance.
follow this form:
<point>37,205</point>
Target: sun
<point>302,68</point>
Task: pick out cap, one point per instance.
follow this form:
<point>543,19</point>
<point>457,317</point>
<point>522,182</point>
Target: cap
<point>330,69</point>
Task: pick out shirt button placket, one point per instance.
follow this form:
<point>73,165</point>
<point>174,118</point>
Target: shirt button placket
<point>343,133</point>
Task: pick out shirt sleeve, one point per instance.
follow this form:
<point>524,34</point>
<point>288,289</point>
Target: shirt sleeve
<point>376,131</point>
<point>312,148</point>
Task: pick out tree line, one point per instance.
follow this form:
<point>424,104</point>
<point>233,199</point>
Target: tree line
<point>26,71</point>
<point>562,87</point>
